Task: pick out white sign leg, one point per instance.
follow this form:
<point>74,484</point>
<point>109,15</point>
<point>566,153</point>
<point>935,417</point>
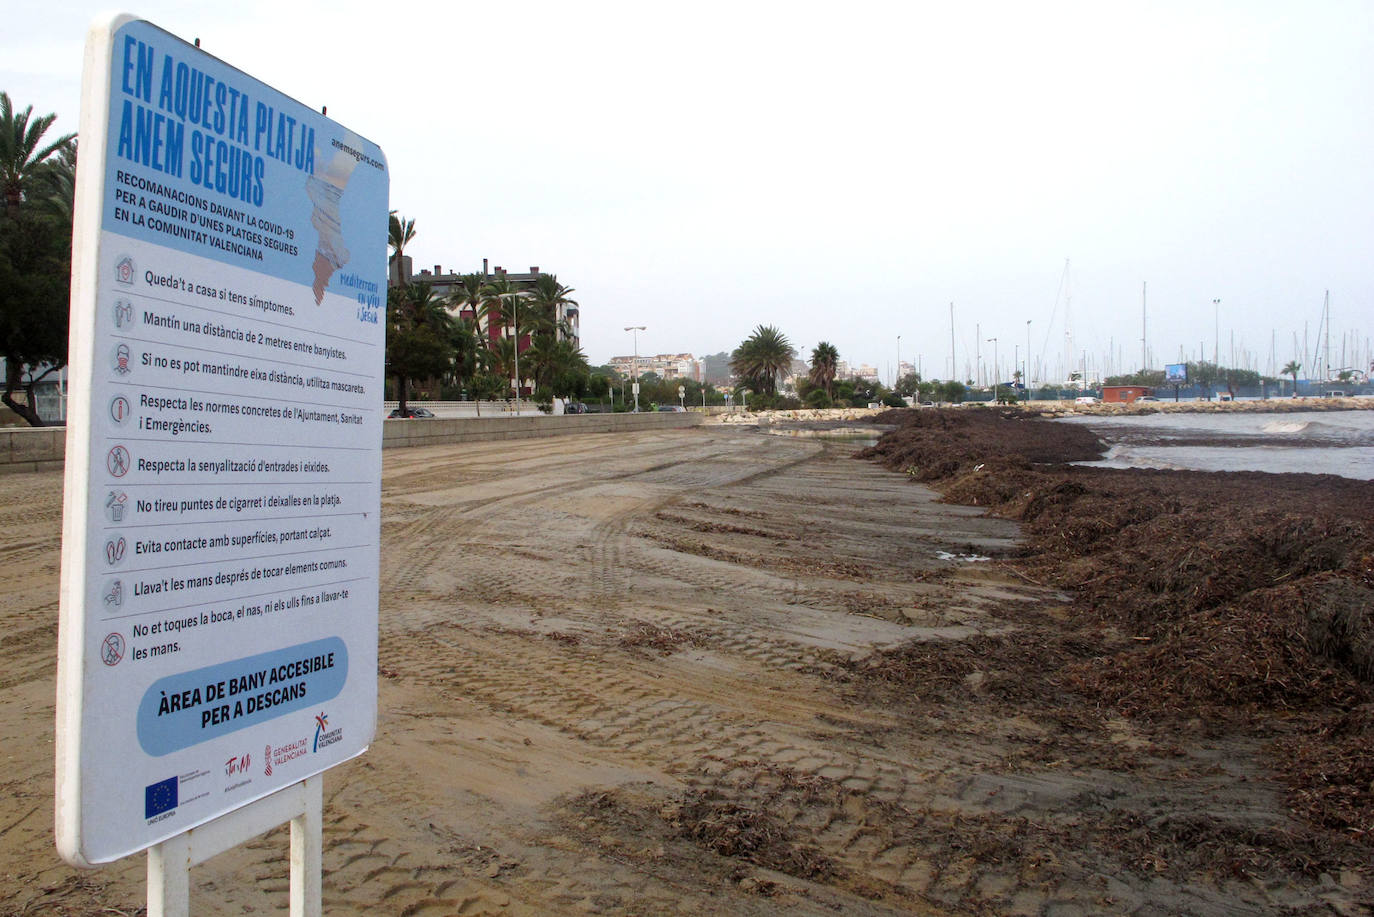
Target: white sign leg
<point>169,863</point>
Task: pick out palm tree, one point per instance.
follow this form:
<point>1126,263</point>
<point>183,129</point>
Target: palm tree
<point>551,300</point>
<point>762,357</point>
<point>824,360</point>
<point>469,293</point>
<point>400,232</point>
<point>1291,369</point>
<point>505,306</point>
<point>558,367</point>
<point>468,353</point>
<point>23,157</point>
<point>35,253</point>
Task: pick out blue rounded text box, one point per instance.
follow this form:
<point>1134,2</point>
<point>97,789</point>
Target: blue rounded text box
<point>188,708</point>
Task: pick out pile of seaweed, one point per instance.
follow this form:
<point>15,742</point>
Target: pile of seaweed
<point>1239,599</point>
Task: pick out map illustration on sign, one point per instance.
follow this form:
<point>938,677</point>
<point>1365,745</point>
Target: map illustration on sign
<point>220,557</point>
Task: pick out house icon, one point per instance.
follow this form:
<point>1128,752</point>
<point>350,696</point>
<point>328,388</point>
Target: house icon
<point>124,271</point>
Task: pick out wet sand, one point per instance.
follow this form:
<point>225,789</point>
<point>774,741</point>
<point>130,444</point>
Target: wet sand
<point>671,673</point>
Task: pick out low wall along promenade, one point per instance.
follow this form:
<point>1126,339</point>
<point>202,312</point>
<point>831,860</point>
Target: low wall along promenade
<point>439,430</point>
<point>32,448</point>
<point>43,448</point>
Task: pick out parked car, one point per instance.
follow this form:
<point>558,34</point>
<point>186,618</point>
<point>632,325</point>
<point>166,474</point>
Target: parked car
<point>1085,399</point>
<point>672,408</point>
<point>413,413</point>
<point>574,407</point>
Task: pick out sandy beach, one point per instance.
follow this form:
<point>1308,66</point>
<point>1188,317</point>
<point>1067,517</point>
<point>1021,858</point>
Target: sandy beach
<point>710,671</point>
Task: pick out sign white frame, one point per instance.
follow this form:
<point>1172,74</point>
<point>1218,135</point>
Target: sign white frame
<point>108,694</point>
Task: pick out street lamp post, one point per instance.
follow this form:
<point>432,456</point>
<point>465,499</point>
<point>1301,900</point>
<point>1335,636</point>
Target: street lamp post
<point>515,383</point>
<point>993,341</point>
<point>1028,354</point>
<point>897,377</point>
<point>635,329</point>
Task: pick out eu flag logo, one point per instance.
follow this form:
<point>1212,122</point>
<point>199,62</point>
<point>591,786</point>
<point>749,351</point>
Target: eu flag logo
<point>160,797</point>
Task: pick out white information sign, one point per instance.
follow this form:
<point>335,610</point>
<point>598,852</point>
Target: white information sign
<point>218,634</point>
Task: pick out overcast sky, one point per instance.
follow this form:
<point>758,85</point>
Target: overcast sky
<point>845,171</point>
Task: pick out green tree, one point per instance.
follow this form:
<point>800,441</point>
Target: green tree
<point>761,358</point>
<point>419,336</point>
<point>824,361</point>
<point>952,391</point>
<point>1206,374</point>
<point>35,253</point>
<point>910,384</point>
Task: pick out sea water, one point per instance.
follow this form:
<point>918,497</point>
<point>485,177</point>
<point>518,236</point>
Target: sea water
<point>1313,442</point>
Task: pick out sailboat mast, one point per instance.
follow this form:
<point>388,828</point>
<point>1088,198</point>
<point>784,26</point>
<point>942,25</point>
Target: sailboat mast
<point>953,367</point>
<point>1144,360</point>
<point>1068,321</point>
<point>1326,316</point>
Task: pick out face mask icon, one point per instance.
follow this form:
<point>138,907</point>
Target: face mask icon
<point>121,363</point>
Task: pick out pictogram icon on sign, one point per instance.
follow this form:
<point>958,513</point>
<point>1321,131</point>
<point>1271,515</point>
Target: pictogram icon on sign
<point>112,649</point>
<point>114,550</point>
<point>115,596</point>
<point>124,271</point>
<point>115,505</point>
<point>123,313</point>
<point>121,360</point>
<point>117,461</point>
<point>120,409</point>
